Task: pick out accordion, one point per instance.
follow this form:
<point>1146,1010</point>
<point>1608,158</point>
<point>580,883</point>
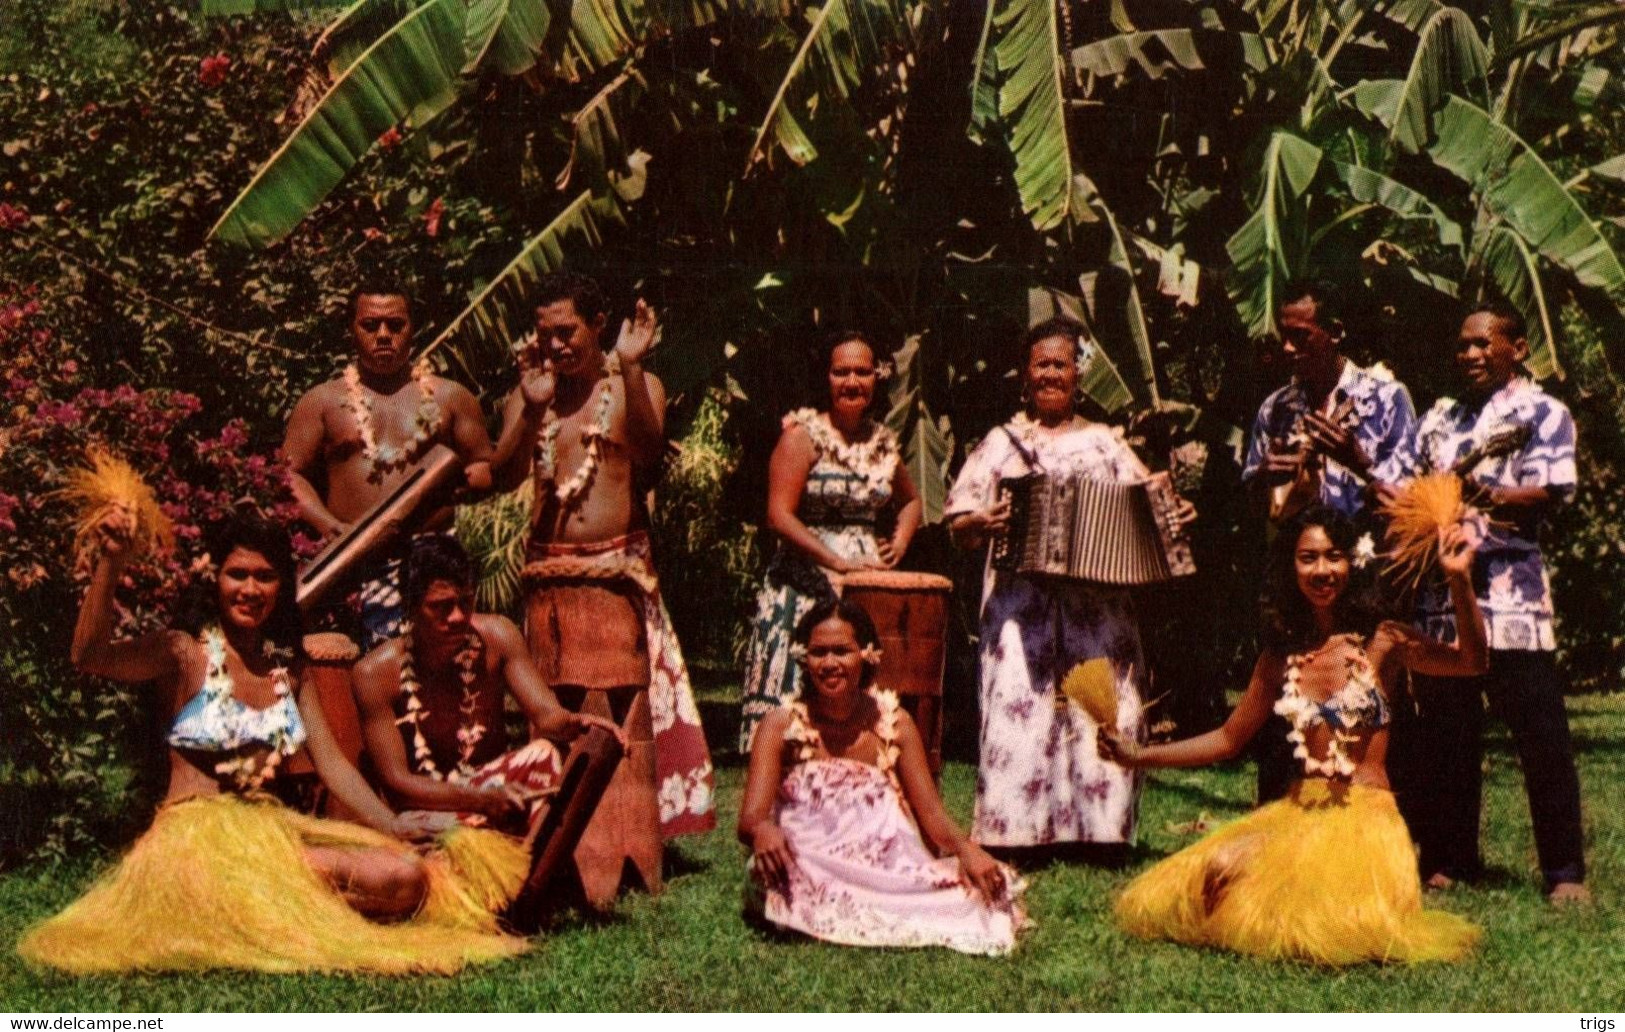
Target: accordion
<point>1093,530</point>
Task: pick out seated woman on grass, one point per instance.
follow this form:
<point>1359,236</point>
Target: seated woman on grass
<point>227,877</point>
<point>1327,875</point>
<point>837,782</point>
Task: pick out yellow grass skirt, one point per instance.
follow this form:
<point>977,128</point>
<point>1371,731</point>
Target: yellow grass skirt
<point>220,882</point>
<point>1326,875</point>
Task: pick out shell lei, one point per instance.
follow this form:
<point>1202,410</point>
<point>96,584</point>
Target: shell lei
<point>547,449</point>
<point>247,773</point>
<point>1358,694</point>
<point>469,732</point>
<point>388,458</point>
<point>874,459</point>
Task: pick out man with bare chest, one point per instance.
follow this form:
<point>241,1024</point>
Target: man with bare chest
<point>357,434</point>
<point>589,430</point>
<point>431,703</point>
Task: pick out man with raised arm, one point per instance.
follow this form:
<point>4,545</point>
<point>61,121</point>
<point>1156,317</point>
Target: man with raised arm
<point>431,702</point>
<point>589,430</point>
<point>356,434</point>
<point>1513,445</point>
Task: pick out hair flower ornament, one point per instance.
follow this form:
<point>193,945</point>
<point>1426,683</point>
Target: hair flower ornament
<point>1365,550</point>
<point>872,654</point>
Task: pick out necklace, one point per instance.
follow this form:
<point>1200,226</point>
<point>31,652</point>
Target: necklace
<point>874,458</point>
<point>469,731</point>
<point>388,458</point>
<point>1358,703</point>
<point>249,772</point>
<point>547,442</point>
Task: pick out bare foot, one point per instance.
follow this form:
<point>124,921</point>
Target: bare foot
<point>1568,894</point>
<point>1438,881</point>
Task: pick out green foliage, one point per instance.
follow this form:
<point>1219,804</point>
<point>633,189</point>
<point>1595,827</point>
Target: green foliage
<point>688,949</point>
<point>706,554</point>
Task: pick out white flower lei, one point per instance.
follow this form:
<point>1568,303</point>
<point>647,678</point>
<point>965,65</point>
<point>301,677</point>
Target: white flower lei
<point>388,458</point>
<point>469,733</point>
<point>547,444</point>
<point>1356,694</point>
<point>874,459</point>
<point>248,773</point>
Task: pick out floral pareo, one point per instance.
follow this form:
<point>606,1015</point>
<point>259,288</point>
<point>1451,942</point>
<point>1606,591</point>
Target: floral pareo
<point>862,874</point>
<point>1039,777</point>
<point>848,487</point>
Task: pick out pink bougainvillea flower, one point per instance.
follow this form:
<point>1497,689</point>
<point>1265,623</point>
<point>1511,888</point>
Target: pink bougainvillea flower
<point>390,138</point>
<point>431,217</point>
<point>13,218</point>
<point>213,70</point>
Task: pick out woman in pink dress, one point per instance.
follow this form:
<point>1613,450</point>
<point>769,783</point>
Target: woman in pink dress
<point>837,798</point>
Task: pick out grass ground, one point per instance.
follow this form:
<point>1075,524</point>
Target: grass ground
<point>689,949</point>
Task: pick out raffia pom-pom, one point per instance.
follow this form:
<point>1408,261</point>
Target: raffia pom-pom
<point>1092,685</point>
<point>331,647</point>
<point>1416,515</point>
<point>112,485</point>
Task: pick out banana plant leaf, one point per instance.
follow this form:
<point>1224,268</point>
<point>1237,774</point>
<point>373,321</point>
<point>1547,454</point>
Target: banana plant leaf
<point>1156,53</point>
<point>410,74</point>
<point>479,339</point>
<point>1271,245</point>
<point>926,441</point>
<point>1112,308</point>
<point>1450,58</point>
<point>506,36</point>
<point>843,41</point>
<point>1372,188</point>
<point>1519,188</point>
<point>226,8</point>
<point>1026,42</point>
<point>984,84</point>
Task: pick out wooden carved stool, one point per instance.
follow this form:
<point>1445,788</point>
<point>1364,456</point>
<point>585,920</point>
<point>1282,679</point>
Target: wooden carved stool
<point>626,826</point>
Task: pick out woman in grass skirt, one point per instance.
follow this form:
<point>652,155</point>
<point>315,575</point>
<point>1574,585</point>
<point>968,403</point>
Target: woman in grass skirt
<point>227,877</point>
<point>1328,874</point>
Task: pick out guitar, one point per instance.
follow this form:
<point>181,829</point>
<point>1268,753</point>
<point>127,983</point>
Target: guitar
<point>1287,499</point>
<point>1508,440</point>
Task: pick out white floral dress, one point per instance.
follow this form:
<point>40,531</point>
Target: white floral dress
<point>862,875</point>
<point>848,487</point>
<point>1039,777</point>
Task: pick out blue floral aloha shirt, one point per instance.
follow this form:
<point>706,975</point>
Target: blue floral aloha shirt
<point>1386,422</point>
<point>1512,584</point>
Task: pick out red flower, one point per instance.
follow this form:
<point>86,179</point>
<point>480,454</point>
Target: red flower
<point>212,72</point>
<point>374,233</point>
<point>431,217</point>
<point>12,218</point>
<point>390,138</point>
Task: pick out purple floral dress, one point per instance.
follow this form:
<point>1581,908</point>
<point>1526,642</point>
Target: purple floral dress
<point>1040,779</point>
<point>862,875</point>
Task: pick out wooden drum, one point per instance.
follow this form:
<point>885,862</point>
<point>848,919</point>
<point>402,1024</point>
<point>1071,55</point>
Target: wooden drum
<point>332,657</point>
<point>910,610</point>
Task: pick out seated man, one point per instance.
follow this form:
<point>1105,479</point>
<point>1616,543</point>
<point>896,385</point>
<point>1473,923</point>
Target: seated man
<point>431,702</point>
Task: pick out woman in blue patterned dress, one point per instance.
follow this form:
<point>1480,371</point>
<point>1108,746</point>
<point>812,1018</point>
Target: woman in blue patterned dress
<point>832,476</point>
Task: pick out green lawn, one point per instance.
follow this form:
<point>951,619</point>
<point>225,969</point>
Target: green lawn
<point>689,949</point>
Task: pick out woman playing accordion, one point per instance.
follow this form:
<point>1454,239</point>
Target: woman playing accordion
<point>1040,781</point>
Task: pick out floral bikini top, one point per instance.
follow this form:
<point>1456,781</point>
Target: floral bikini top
<point>214,721</point>
<point>806,743</point>
<point>1358,706</point>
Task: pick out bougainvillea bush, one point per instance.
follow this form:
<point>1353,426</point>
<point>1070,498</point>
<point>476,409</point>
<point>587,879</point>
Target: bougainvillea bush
<point>73,746</point>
